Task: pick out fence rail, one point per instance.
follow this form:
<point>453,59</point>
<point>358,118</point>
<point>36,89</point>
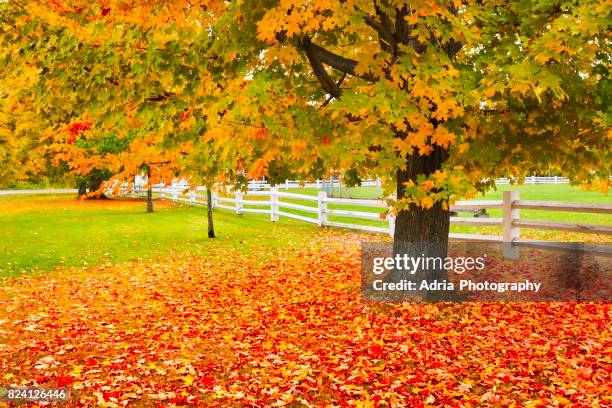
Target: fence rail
<point>317,210</point>
<point>336,183</point>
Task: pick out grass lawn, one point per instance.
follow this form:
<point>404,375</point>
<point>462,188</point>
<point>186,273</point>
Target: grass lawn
<point>42,232</point>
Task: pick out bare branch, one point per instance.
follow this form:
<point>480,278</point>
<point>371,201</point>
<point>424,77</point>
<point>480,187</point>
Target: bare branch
<point>233,122</point>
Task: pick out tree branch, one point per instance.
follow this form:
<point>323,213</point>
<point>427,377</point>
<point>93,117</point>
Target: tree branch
<point>160,98</point>
<point>233,122</point>
<point>324,104</point>
<point>315,62</point>
<point>380,28</point>
<point>335,61</point>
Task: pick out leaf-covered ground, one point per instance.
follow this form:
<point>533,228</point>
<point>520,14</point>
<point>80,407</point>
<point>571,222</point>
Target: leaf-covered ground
<point>230,329</point>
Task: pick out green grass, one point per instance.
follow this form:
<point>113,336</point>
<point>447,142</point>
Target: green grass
<point>40,233</point>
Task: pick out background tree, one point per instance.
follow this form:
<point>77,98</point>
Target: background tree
<point>23,158</point>
<point>205,169</point>
<point>111,82</point>
<point>18,139</point>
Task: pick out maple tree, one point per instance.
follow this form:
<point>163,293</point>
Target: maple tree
<point>16,160</point>
<point>204,168</point>
<point>437,98</point>
<point>22,158</point>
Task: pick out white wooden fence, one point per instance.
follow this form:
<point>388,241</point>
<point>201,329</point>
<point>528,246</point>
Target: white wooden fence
<point>536,180</point>
<point>320,208</point>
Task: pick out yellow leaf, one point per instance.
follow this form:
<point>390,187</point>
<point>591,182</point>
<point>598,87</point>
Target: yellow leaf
<point>442,137</point>
<point>266,32</point>
<point>427,202</point>
<point>188,380</point>
<point>427,185</point>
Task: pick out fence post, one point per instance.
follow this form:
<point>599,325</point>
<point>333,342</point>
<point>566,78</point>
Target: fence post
<point>322,208</point>
<point>511,251</point>
<point>174,193</point>
<point>391,220</point>
<point>556,179</point>
<point>274,204</point>
<point>238,197</point>
<point>192,197</point>
<point>286,184</point>
<point>318,184</point>
<point>215,199</point>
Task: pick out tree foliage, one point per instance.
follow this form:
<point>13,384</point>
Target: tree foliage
<point>495,88</point>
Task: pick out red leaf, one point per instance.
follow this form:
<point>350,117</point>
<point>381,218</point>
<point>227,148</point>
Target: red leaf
<point>208,381</point>
<point>376,351</point>
<point>260,133</point>
<point>63,381</point>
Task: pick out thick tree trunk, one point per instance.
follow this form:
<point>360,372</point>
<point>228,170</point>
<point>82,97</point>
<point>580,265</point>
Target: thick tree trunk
<point>421,224</point>
<point>209,205</point>
<point>421,232</point>
<point>95,184</point>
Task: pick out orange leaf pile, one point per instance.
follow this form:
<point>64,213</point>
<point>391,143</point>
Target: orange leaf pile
<point>225,329</point>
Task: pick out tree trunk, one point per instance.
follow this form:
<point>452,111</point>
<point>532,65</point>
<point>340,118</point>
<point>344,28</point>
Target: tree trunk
<point>421,224</point>
<point>82,189</point>
<point>149,192</point>
<point>209,205</point>
<point>150,200</point>
<point>95,184</point>
<point>421,232</point>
